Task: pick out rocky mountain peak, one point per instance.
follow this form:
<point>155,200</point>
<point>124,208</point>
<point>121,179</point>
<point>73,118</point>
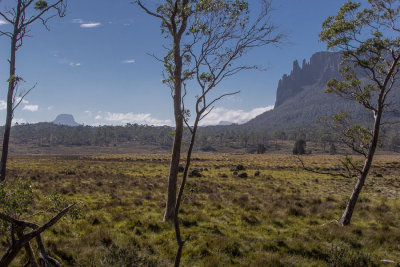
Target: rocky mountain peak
<point>65,119</point>
<point>322,67</point>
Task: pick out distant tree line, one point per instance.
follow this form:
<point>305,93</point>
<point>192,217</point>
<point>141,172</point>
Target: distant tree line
<point>48,134</point>
<point>209,138</point>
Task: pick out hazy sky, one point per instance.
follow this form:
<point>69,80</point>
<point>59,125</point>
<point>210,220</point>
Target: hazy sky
<point>94,64</point>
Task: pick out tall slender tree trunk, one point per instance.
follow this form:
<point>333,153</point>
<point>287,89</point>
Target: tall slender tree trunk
<point>174,167</point>
<point>176,150</point>
<point>10,95</point>
<point>6,137</point>
<point>178,235</point>
<point>346,217</point>
<point>178,255</point>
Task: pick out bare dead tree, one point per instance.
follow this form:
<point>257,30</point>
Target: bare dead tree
<point>20,18</point>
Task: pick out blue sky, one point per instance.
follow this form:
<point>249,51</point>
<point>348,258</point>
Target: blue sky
<point>94,64</point>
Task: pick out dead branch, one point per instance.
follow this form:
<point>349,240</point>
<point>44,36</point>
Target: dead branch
<point>320,172</point>
<point>21,98</point>
<point>24,239</point>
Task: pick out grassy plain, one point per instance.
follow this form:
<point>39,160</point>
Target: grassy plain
<point>280,217</point>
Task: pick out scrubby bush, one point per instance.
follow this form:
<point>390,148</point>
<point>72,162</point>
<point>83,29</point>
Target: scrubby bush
<point>332,149</point>
<point>299,147</point>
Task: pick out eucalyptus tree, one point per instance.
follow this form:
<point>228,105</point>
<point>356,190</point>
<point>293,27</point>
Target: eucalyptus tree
<point>369,39</point>
<point>174,17</point>
<point>19,17</point>
<point>208,39</point>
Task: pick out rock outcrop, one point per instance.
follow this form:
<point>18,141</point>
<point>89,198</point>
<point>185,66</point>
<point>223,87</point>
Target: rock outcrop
<point>301,99</point>
<point>65,119</point>
<point>322,67</point>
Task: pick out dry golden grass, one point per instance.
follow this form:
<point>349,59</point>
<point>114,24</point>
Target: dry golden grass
<point>275,218</point>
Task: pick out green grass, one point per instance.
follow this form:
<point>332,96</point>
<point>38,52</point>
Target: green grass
<point>279,218</point>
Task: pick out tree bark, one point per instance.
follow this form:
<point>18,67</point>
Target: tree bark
<point>348,212</point>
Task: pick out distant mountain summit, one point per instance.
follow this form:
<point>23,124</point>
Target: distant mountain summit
<point>65,119</point>
<point>301,99</point>
<point>224,123</point>
<point>322,67</point>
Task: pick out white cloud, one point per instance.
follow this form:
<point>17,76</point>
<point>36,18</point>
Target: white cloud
<point>3,105</point>
<point>18,99</point>
<point>3,22</point>
<point>79,21</point>
<point>50,108</point>
<point>19,121</point>
<point>128,61</point>
<point>73,64</point>
<point>84,24</point>
<point>90,25</point>
<point>55,53</point>
<point>31,108</point>
<point>69,62</point>
<point>219,115</point>
<point>124,118</point>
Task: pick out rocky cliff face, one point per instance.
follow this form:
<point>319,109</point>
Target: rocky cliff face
<point>65,119</point>
<point>301,99</point>
<point>322,67</point>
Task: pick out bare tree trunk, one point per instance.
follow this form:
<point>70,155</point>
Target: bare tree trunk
<point>176,150</point>
<point>10,95</point>
<point>179,240</point>
<point>6,138</point>
<point>346,217</point>
<point>178,255</point>
<point>173,171</point>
